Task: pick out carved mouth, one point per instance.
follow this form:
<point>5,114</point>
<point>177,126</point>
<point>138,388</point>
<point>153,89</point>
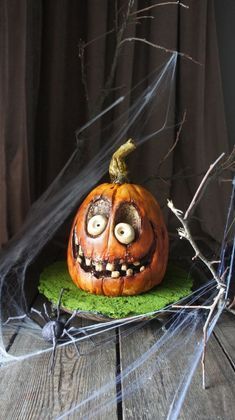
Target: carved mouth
<point>104,268</point>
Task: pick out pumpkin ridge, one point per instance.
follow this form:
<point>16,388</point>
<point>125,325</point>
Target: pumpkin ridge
<point>102,286</point>
<point>137,192</point>
<point>115,191</point>
<point>104,261</point>
<point>122,285</point>
<point>112,202</point>
<point>129,192</point>
<point>108,189</point>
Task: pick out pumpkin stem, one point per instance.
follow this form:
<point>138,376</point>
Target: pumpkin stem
<point>117,169</point>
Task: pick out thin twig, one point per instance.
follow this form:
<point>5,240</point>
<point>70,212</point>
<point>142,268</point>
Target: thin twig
<point>232,303</point>
<point>112,72</point>
<point>127,18</point>
<point>211,308</point>
<point>81,50</point>
<point>205,329</point>
<point>201,187</point>
<point>87,44</point>
<point>177,176</point>
<point>183,218</point>
<point>186,234</point>
<point>116,16</point>
<point>159,47</point>
<point>167,3</point>
<point>227,165</point>
<point>143,17</point>
<point>115,88</point>
<point>172,148</point>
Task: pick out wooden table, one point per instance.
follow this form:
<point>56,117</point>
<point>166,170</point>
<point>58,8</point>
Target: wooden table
<point>27,391</point>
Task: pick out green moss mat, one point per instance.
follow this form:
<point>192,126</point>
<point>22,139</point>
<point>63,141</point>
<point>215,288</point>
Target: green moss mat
<point>176,284</point>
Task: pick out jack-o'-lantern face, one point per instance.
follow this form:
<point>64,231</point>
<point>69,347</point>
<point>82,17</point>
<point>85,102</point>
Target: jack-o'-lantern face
<point>118,243</point>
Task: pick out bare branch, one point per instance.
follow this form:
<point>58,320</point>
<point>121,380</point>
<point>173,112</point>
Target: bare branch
<point>159,47</point>
<point>127,17</point>
<point>186,234</point>
<point>167,3</point>
<point>143,17</point>
<point>81,50</point>
<point>201,188</point>
<point>232,304</point>
<point>211,308</point>
<point>184,231</point>
<point>172,148</point>
<point>116,16</point>
<point>86,44</point>
<point>227,165</point>
<point>119,37</point>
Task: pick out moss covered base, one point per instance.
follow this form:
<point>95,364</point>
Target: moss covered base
<point>176,284</point>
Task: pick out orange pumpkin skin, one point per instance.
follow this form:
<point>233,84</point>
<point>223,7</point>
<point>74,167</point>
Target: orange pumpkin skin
<point>150,246</point>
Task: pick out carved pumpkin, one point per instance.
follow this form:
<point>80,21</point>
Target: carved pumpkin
<point>118,243</point>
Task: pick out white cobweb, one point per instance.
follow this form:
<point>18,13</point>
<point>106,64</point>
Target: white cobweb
<point>153,99</point>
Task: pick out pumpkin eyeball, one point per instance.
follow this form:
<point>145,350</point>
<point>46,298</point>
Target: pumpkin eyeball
<point>96,225</point>
<point>124,233</point>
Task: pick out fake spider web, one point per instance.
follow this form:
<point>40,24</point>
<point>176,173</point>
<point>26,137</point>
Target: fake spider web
<point>152,100</point>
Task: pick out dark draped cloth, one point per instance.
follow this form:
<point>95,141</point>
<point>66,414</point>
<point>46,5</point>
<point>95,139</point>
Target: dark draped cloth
<point>42,100</point>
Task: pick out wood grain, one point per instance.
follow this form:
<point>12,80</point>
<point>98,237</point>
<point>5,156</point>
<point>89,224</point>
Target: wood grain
<point>158,378</point>
<point>225,334</point>
<point>29,392</point>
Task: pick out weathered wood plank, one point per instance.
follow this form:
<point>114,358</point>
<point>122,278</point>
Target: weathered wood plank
<point>158,379</point>
<point>29,392</point>
<point>216,402</point>
<point>225,334</point>
<point>9,330</point>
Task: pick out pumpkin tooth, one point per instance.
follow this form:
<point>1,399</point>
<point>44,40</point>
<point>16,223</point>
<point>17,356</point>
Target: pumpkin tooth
<point>110,267</point>
<point>129,272</point>
<point>76,238</point>
<point>124,267</point>
<point>98,266</point>
<point>88,261</point>
<point>115,274</point>
<point>142,268</point>
<point>79,260</point>
<point>80,251</point>
<point>136,263</point>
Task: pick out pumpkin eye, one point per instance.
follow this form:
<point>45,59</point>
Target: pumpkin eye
<point>124,233</point>
<point>96,225</point>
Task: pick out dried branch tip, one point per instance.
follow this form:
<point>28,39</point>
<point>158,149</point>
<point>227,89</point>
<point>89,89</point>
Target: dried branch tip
<point>117,169</point>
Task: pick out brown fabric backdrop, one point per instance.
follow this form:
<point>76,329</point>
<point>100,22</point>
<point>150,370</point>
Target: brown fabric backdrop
<point>42,99</point>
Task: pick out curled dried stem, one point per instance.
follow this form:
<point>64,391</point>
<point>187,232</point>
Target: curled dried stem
<point>117,169</point>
